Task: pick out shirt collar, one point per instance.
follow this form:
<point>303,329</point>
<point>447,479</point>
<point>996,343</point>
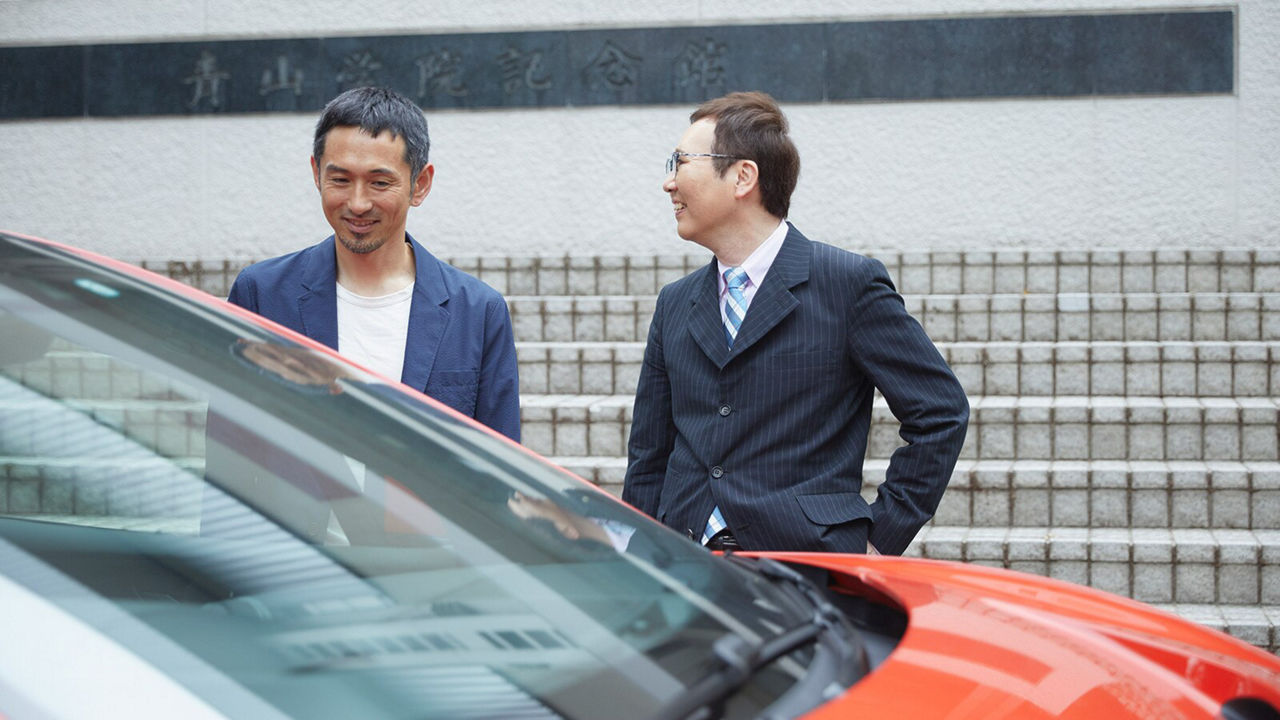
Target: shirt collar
<point>761,259</point>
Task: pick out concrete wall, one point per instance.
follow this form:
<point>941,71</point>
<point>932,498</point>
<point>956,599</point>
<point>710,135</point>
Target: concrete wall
<point>1139,172</point>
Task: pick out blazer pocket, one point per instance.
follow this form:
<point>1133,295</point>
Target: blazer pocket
<point>805,359</point>
<point>834,508</point>
<point>456,389</point>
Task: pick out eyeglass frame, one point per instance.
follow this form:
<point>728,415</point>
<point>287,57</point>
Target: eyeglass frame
<point>673,160</point>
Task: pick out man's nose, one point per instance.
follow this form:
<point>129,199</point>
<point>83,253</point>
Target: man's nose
<point>669,183</point>
<point>361,200</point>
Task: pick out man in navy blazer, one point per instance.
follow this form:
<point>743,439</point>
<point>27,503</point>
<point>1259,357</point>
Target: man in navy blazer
<point>754,402</point>
<point>370,290</point>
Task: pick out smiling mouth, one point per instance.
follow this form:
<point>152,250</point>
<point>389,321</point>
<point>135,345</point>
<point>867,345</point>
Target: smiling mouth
<point>359,226</point>
<point>680,207</point>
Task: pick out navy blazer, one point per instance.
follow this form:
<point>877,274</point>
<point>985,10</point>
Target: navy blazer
<point>460,350</point>
<point>774,430</point>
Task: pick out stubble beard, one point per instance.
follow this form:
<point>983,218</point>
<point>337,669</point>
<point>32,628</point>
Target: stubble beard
<point>361,246</point>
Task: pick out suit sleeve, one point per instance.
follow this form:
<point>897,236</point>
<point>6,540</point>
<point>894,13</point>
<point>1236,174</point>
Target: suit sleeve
<point>923,394</point>
<point>653,430</point>
<point>242,293</point>
<point>498,397</point>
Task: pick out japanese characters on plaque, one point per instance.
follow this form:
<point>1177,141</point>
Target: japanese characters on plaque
<point>207,83</point>
<point>1143,53</point>
<point>447,72</point>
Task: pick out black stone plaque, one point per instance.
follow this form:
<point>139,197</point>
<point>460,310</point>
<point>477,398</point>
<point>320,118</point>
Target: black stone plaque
<point>41,82</point>
<point>616,67</point>
<point>519,70</point>
<point>1155,53</point>
<point>785,61</point>
<point>205,78</point>
<point>1167,53</point>
<point>438,71</point>
<point>1184,52</point>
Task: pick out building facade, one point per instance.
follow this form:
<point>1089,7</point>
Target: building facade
<point>182,130</point>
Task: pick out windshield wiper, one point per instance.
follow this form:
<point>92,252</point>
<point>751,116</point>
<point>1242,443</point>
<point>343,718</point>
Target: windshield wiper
<point>839,657</point>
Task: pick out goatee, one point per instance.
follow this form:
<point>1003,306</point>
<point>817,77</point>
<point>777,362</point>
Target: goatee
<point>360,246</point>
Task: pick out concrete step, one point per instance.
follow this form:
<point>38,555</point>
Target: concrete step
<point>1000,427</point>
<point>66,372</point>
<point>576,425</point>
<point>129,485</point>
<point>1100,494</point>
<point>171,428</point>
<point>1229,567</point>
<point>1109,428</point>
<point>607,472</point>
<point>1258,625</point>
<point>1141,368</point>
<point>1106,494</point>
<point>968,272</point>
<point>592,368</point>
<point>921,272</point>
<point>1172,369</point>
<point>1153,317</point>
<point>595,318</point>
<point>1025,427</point>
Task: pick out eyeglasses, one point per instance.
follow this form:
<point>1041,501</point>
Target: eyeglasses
<point>673,162</point>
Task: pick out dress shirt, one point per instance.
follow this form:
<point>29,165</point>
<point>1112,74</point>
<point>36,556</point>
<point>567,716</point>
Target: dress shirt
<point>756,266</point>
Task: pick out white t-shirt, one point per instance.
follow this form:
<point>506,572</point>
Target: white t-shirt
<point>373,330</point>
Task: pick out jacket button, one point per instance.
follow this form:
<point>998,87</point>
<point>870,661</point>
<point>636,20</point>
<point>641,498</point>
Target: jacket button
<point>725,410</point>
<point>717,472</point>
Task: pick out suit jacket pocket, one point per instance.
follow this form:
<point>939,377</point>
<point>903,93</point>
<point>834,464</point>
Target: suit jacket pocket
<point>804,374</point>
<point>456,389</point>
<point>834,508</point>
<point>805,359</point>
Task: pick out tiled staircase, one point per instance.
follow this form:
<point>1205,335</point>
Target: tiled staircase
<point>1124,412</point>
<point>1124,407</point>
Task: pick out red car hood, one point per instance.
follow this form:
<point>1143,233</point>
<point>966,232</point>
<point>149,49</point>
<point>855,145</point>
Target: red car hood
<point>987,643</point>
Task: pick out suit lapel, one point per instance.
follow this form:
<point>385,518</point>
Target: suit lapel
<point>428,318</point>
<point>318,303</point>
<point>773,301</point>
<point>705,323</point>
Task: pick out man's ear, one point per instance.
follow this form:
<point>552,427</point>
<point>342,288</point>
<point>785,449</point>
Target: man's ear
<point>747,180</point>
<point>315,171</point>
<point>422,184</point>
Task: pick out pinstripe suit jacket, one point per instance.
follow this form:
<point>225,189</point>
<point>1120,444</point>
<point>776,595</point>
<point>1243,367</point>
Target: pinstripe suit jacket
<point>774,430</point>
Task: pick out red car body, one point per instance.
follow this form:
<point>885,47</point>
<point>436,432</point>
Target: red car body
<point>984,643</point>
<point>989,643</point>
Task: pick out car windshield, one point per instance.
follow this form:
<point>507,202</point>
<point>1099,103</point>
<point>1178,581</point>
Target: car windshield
<point>283,533</point>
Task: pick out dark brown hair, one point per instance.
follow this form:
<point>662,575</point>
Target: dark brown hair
<point>373,110</point>
<point>751,126</point>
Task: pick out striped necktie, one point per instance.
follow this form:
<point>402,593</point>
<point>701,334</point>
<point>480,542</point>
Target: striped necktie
<point>735,303</point>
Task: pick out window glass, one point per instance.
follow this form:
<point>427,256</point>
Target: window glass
<point>89,439</point>
<point>264,514</point>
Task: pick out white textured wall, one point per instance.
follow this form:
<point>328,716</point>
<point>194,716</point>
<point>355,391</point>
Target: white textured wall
<point>1114,172</point>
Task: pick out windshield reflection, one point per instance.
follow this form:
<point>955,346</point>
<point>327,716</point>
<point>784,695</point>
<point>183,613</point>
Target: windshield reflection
<point>330,543</point>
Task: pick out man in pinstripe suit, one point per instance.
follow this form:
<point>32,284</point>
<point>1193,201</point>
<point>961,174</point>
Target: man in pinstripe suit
<point>754,402</point>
